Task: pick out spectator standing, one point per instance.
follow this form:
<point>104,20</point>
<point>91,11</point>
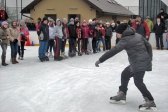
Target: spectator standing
<point>163,15</point>
<point>3,15</point>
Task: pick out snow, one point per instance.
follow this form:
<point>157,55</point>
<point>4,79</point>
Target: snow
<point>76,85</point>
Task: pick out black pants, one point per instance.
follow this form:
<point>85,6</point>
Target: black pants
<point>84,45</point>
<point>159,41</point>
<point>50,45</point>
<point>63,46</point>
<point>94,41</point>
<point>21,49</point>
<point>79,45</point>
<point>72,45</point>
<point>138,80</point>
<point>108,42</point>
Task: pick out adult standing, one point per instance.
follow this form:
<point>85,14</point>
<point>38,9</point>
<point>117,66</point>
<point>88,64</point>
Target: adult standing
<point>141,27</point>
<point>3,15</point>
<point>91,34</point>
<point>163,15</point>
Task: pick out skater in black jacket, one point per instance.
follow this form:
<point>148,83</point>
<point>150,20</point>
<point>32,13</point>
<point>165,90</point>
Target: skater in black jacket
<point>140,58</point>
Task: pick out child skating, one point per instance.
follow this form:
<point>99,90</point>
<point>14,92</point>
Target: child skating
<point>140,58</point>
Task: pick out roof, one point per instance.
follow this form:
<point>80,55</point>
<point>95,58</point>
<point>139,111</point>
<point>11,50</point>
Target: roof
<point>102,6</point>
<point>109,7</point>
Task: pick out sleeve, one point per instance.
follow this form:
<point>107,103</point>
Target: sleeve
<point>6,15</point>
<point>56,32</point>
<point>39,30</point>
<point>148,47</point>
<point>134,25</point>
<point>111,33</point>
<point>146,29</point>
<point>9,33</point>
<point>166,16</point>
<point>2,36</point>
<point>163,28</point>
<point>154,28</point>
<point>118,48</point>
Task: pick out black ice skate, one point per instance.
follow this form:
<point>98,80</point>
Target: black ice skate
<point>148,106</point>
<point>46,58</point>
<point>58,58</point>
<point>120,98</point>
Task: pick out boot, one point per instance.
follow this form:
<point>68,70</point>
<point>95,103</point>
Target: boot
<point>15,60</point>
<point>120,98</point>
<point>149,105</point>
<point>19,57</point>
<point>3,61</point>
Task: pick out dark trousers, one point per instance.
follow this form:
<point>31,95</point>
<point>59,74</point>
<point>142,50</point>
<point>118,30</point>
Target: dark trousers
<point>84,45</point>
<point>94,42</point>
<point>108,42</point>
<point>21,49</point>
<point>79,45</point>
<point>138,81</point>
<point>50,45</point>
<point>14,49</point>
<point>63,45</point>
<point>159,41</point>
<point>117,40</point>
<point>58,47</point>
<point>72,45</point>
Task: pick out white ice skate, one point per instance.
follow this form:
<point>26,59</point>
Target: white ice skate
<point>120,98</point>
<point>51,55</point>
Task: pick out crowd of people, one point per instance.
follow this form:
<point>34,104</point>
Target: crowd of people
<point>83,37</point>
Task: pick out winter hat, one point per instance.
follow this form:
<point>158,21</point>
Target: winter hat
<point>22,21</point>
<point>90,20</point>
<point>138,16</point>
<point>107,23</point>
<point>84,21</point>
<point>118,22</point>
<point>52,20</point>
<point>4,22</point>
<point>162,9</point>
<point>121,28</point>
<point>72,19</point>
<point>64,19</point>
<point>45,18</point>
<point>39,19</point>
<point>147,17</point>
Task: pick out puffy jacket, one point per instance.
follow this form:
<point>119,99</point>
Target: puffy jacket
<point>91,30</point>
<point>58,30</point>
<point>138,49</point>
<point>97,34</point>
<point>14,34</point>
<point>3,35</point>
<point>108,31</point>
<point>103,31</point>
<point>159,30</point>
<point>150,25</point>
<point>25,34</point>
<point>85,32</point>
<point>45,29</point>
<point>72,31</point>
<point>142,29</point>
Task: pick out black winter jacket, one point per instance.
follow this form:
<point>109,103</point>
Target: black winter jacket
<point>159,30</point>
<point>138,49</point>
<point>72,31</point>
<point>98,34</point>
<point>45,29</point>
<point>108,31</point>
<point>91,29</point>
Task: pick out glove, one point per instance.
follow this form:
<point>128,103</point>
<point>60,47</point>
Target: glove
<point>15,40</point>
<point>97,63</point>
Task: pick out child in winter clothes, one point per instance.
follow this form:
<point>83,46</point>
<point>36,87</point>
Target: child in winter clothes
<point>108,36</point>
<point>24,34</point>
<point>85,36</point>
<point>72,38</point>
<point>78,35</point>
<point>103,36</point>
<point>167,39</point>
<point>4,41</point>
<point>98,36</point>
<point>58,32</point>
<point>65,37</point>
<point>14,41</point>
<point>51,37</point>
<point>91,34</point>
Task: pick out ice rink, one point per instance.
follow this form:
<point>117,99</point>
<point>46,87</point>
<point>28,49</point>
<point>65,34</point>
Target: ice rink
<point>76,85</point>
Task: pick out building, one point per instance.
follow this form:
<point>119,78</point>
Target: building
<point>105,10</point>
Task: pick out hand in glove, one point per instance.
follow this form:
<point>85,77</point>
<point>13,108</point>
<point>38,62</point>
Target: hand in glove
<point>97,63</point>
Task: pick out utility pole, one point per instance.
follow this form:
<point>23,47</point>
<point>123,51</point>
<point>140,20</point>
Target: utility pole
<point>17,9</point>
<point>21,8</point>
<point>5,5</point>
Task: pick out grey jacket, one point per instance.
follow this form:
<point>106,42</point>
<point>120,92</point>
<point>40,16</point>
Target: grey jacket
<point>138,49</point>
<point>58,32</point>
<point>3,36</point>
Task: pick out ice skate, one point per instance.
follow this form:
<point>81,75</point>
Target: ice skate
<point>148,106</point>
<point>46,58</point>
<point>47,54</point>
<point>19,57</point>
<point>58,58</point>
<point>50,55</point>
<point>79,54</point>
<point>63,55</point>
<point>120,98</point>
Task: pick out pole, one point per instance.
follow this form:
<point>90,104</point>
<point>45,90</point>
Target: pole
<point>17,9</point>
<point>21,8</point>
<point>5,5</point>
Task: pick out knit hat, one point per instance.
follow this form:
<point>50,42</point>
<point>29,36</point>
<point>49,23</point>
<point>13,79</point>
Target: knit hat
<point>84,21</point>
<point>45,18</point>
<point>22,21</point>
<point>52,20</point>
<point>107,23</point>
<point>147,17</point>
<point>64,19</point>
<point>39,19</point>
<point>90,20</point>
<point>118,22</point>
<point>4,22</point>
<point>72,19</point>
<point>162,9</point>
<point>121,28</point>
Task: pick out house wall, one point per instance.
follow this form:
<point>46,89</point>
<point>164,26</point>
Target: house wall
<point>62,9</point>
<point>121,18</point>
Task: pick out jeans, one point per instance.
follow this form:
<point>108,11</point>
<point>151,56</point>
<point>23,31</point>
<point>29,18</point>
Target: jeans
<point>63,45</point>
<point>58,47</point>
<point>90,44</point>
<point>4,48</point>
<point>21,51</point>
<point>98,45</point>
<point>103,42</point>
<point>108,42</point>
<point>138,81</point>
<point>159,39</point>
<point>43,48</point>
<point>14,49</point>
<point>50,45</point>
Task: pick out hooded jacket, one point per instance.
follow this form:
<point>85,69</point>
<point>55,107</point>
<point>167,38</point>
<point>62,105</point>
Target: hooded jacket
<point>44,28</point>
<point>163,14</point>
<point>150,25</point>
<point>58,30</point>
<point>138,49</point>
<point>108,31</point>
<point>91,30</point>
<point>85,31</point>
<point>72,30</point>
<point>3,35</point>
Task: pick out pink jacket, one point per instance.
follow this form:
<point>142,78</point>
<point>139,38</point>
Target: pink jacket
<point>85,32</point>
<point>24,32</point>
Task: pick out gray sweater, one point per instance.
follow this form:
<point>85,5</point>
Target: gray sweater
<point>58,32</point>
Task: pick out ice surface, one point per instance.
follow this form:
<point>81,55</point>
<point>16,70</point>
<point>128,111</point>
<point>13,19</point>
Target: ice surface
<point>76,85</point>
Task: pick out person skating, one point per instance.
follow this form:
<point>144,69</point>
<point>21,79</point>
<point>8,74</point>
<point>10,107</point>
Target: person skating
<point>108,36</point>
<point>24,34</point>
<point>14,41</point>
<point>4,38</point>
<point>78,35</point>
<point>140,58</point>
<point>58,32</point>
<point>43,33</point>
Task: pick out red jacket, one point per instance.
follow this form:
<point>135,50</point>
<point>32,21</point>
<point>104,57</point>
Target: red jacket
<point>78,32</point>
<point>3,16</point>
<point>103,31</point>
<point>85,32</point>
<point>24,34</point>
<point>142,29</point>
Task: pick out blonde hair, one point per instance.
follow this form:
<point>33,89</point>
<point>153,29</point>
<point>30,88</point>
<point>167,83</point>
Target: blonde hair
<point>125,21</point>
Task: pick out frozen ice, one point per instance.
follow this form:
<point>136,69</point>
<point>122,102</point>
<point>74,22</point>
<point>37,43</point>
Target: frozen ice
<point>76,85</point>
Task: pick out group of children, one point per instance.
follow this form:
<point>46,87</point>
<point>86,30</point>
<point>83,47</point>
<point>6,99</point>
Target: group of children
<point>83,38</point>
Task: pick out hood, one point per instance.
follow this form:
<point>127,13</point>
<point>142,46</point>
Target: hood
<point>57,21</point>
<point>129,31</point>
